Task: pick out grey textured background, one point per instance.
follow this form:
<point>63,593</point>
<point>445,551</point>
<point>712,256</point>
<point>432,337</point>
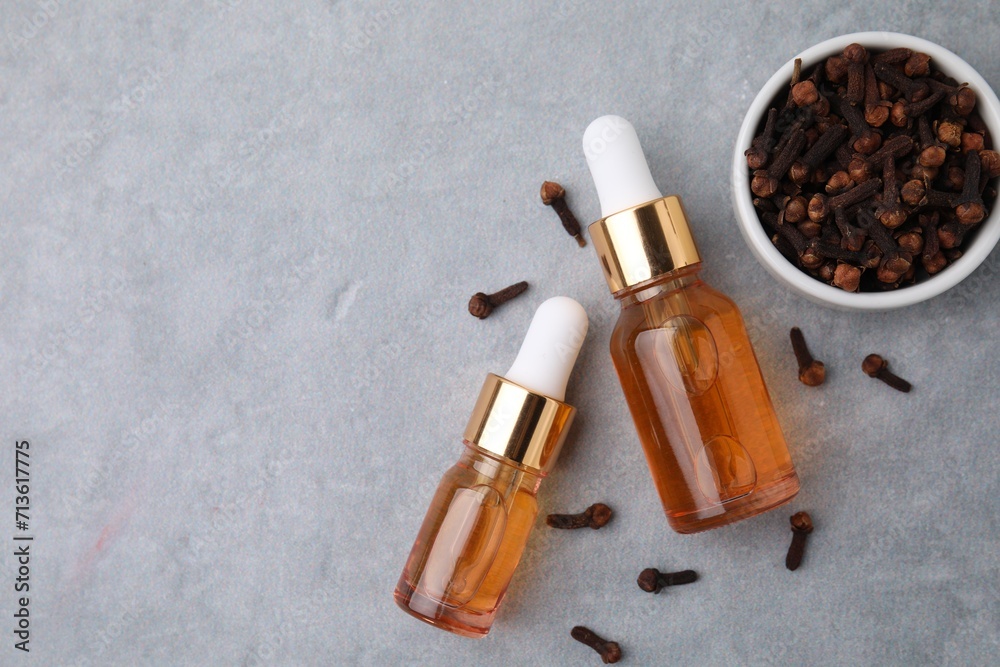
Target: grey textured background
<point>237,242</point>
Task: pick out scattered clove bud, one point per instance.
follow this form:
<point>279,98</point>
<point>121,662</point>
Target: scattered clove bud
<point>877,367</point>
<point>595,516</point>
<point>610,652</point>
<point>554,195</point>
<point>811,372</point>
<point>652,580</point>
<point>802,525</point>
<point>481,305</point>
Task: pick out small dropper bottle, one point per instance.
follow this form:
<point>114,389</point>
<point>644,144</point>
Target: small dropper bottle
<point>485,506</point>
<point>684,360</point>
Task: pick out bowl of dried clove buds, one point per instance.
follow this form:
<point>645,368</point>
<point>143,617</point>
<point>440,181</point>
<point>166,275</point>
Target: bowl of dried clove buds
<point>865,173</point>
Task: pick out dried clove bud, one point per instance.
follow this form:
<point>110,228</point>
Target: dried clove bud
<point>954,178</point>
<point>835,68</point>
<point>804,168</point>
<point>876,109</point>
<point>481,304</point>
<point>969,207</point>
<point>856,194</point>
<point>826,272</point>
<point>610,652</point>
<point>963,101</point>
<point>911,242</point>
<point>812,373</point>
<point>652,580</point>
<point>856,57</point>
<point>802,526</point>
<point>990,163</point>
<point>554,195</point>
<point>810,229</point>
<point>847,277</point>
<point>950,235</point>
<point>913,192</point>
<point>864,139</point>
<point>913,90</point>
<point>971,141</point>
<point>853,238</point>
<point>595,516</point>
<point>760,148</point>
<point>818,210</point>
<point>950,132</point>
<point>804,93</point>
<point>934,263</point>
<point>889,212</point>
<point>918,64</point>
<point>838,183</point>
<point>796,209</point>
<point>893,56</point>
<point>859,169</point>
<point>877,367</point>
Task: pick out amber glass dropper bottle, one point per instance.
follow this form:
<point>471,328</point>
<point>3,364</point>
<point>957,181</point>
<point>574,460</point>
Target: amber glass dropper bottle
<point>681,350</point>
<point>485,507</point>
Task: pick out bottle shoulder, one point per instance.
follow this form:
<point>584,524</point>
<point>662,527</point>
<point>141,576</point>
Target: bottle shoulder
<point>698,300</point>
<point>477,467</point>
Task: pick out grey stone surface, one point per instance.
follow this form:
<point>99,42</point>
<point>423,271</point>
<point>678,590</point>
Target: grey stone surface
<point>236,244</point>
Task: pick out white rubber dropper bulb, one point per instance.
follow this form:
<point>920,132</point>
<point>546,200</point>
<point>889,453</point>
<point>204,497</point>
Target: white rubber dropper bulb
<point>550,347</point>
<point>618,165</point>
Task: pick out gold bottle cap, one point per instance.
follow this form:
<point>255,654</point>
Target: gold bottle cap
<point>518,424</point>
<point>644,242</point>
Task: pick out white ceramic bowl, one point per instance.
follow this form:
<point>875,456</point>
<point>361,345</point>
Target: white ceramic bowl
<point>975,252</point>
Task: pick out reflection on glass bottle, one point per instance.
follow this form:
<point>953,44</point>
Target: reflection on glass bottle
<point>470,543</point>
<point>711,437</point>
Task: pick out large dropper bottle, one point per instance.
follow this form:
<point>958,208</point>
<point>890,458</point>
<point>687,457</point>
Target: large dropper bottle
<point>683,356</point>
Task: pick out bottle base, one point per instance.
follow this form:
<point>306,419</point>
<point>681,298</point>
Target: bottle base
<point>432,612</point>
<point>759,501</point>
